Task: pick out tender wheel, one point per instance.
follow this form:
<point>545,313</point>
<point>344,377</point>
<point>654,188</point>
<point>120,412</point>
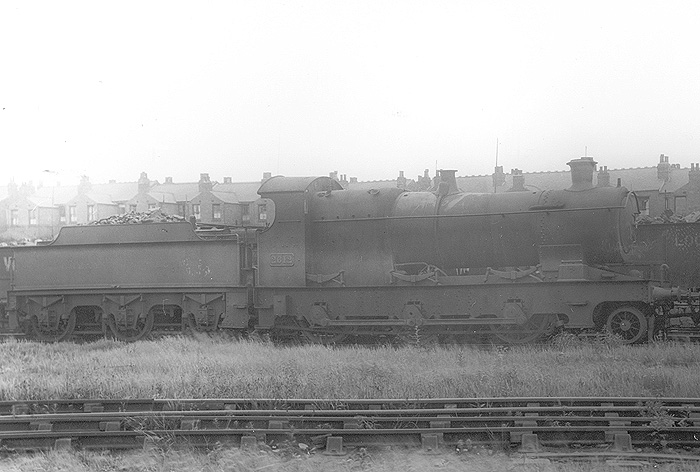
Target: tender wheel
<point>537,328</point>
<point>627,322</point>
<point>64,329</point>
<point>141,330</point>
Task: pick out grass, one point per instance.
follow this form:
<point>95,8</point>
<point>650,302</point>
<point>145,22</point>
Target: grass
<point>214,368</point>
<point>234,460</point>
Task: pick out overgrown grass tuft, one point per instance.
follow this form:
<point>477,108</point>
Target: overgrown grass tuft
<point>362,460</point>
<point>214,368</point>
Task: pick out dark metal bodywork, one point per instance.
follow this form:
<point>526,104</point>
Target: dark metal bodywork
<point>116,275</point>
<point>384,259</point>
<point>336,261</point>
<point>465,230</point>
<point>677,245</point>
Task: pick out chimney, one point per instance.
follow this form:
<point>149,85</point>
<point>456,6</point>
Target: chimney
<point>518,181</point>
<point>401,180</point>
<point>334,175</point>
<point>168,180</point>
<point>447,183</point>
<point>85,186</point>
<point>603,177</point>
<point>227,180</point>
<point>353,180</point>
<point>582,173</point>
<point>694,176</point>
<point>266,176</point>
<point>27,188</point>
<point>112,181</point>
<point>663,169</point>
<point>144,184</point>
<point>499,178</point>
<point>205,185</point>
<point>12,188</point>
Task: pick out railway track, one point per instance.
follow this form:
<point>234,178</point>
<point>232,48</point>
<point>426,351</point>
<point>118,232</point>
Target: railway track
<point>659,429</point>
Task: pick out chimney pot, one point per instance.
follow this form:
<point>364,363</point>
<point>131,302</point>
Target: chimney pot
<point>447,183</point>
<point>582,173</point>
<point>518,181</point>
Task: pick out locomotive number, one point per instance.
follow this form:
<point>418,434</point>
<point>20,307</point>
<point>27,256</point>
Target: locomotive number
<point>281,260</point>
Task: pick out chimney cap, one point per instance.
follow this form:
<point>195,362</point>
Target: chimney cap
<point>582,173</point>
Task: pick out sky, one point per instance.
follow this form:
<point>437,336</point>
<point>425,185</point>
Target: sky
<point>366,88</point>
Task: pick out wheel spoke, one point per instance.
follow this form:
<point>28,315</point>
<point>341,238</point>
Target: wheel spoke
<point>627,322</point>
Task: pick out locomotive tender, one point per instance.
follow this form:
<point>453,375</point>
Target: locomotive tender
<point>339,264</point>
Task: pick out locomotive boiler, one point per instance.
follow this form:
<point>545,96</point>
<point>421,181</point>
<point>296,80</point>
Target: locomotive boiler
<point>353,265</point>
<point>445,264</point>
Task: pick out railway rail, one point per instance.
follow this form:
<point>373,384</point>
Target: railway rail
<point>657,429</point>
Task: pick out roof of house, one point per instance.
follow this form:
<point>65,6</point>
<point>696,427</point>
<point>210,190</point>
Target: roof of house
<point>97,198</point>
<point>181,192</point>
<point>370,184</point>
<point>119,191</point>
<point>162,197</point>
<point>226,197</point>
<point>59,195</point>
<point>244,191</point>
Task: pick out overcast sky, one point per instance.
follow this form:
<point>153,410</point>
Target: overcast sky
<point>367,88</point>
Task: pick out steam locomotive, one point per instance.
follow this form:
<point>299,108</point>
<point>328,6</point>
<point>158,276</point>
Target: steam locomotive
<point>341,265</point>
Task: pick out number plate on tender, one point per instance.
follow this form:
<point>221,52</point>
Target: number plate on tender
<point>281,260</point>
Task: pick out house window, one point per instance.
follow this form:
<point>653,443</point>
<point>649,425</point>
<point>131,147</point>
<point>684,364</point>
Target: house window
<point>245,211</point>
<point>90,212</point>
<point>72,214</point>
<point>32,216</point>
<point>122,208</point>
<point>62,214</point>
<point>132,208</point>
<point>216,211</point>
<point>151,206</point>
<point>643,206</point>
<point>181,209</point>
<point>680,206</point>
<point>196,210</point>
<point>262,212</point>
<point>14,217</point>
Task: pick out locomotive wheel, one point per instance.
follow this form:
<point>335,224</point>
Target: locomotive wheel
<point>143,328</point>
<point>627,322</point>
<point>537,328</point>
<point>64,330</point>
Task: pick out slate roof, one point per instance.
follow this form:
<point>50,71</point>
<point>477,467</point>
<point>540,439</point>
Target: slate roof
<point>60,195</point>
<point>370,184</point>
<point>639,179</point>
<point>119,191</point>
<point>162,197</point>
<point>226,197</point>
<point>244,191</point>
<point>181,192</point>
<point>98,198</point>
